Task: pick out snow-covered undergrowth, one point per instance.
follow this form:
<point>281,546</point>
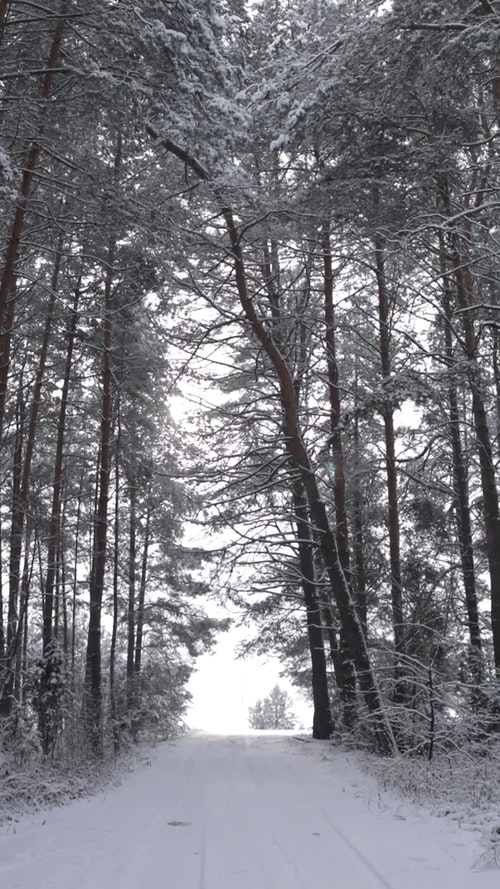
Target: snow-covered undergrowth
<point>453,783</point>
<point>462,784</point>
<point>39,784</point>
<point>32,787</point>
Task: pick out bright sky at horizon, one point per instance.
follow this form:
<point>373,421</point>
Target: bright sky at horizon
<point>224,687</point>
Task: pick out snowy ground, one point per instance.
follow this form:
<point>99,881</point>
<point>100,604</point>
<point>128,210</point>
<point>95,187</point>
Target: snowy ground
<point>241,812</point>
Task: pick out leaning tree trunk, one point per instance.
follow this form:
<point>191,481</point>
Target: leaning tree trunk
<point>300,458</point>
<point>322,716</point>
<point>4,12</point>
<point>10,271</point>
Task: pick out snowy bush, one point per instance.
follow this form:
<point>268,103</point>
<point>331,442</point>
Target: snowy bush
<point>462,782</point>
<point>48,683</point>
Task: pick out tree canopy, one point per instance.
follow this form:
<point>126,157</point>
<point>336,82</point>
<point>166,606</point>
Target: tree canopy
<point>280,219</point>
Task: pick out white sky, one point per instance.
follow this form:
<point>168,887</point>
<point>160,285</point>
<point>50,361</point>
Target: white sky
<point>224,687</point>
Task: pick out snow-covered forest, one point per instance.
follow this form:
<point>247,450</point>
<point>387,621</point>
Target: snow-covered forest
<point>250,351</point>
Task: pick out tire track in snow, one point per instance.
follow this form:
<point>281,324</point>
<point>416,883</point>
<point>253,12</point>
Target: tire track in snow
<point>289,773</point>
<point>382,880</point>
<point>373,870</point>
<point>265,774</point>
<point>234,813</point>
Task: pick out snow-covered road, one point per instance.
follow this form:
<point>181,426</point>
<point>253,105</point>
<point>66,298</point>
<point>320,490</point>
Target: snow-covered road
<point>239,812</point>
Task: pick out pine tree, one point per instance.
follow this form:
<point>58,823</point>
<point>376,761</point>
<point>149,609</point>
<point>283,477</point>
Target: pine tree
<point>274,712</point>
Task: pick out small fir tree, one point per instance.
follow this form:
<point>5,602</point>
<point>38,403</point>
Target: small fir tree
<point>273,712</point>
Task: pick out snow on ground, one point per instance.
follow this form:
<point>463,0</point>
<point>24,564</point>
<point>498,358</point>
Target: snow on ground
<point>268,811</point>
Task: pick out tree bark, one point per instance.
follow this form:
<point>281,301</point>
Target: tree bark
<point>460,484</point>
<point>93,670</point>
<point>142,586</point>
<point>337,451</point>
<point>76,561</point>
<point>50,606</point>
<point>464,285</point>
<point>12,636</point>
<point>20,502</point>
<point>4,11</point>
<point>322,718</point>
<point>55,513</point>
<point>391,472</point>
<point>358,549</point>
<point>131,615</point>
<point>116,579</point>
<point>9,274</point>
<point>2,624</point>
<point>339,483</point>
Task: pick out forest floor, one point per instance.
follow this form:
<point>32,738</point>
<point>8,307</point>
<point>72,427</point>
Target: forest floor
<point>257,811</point>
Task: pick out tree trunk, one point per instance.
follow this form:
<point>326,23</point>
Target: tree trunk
<point>55,514</point>
<point>460,486</point>
<point>22,631</point>
<point>93,672</point>
<point>496,375</point>
<point>76,561</point>
<point>2,624</point>
<point>391,473</point>
<point>142,587</point>
<point>116,578</point>
<point>358,549</point>
<point>131,615</point>
<point>460,245</point>
<point>8,662</point>
<point>4,11</point>
<point>22,483</point>
<point>9,274</point>
<point>54,556</point>
<point>339,485</point>
<point>322,719</point>
<point>93,657</point>
<point>330,625</point>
